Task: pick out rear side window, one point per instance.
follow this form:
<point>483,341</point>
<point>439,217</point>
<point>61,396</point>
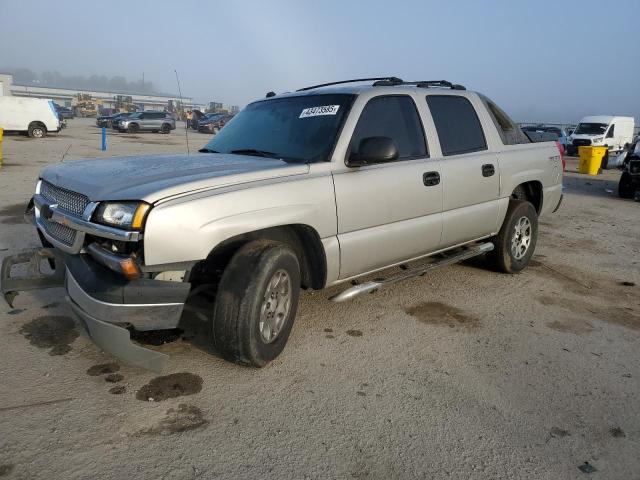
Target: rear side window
<point>393,116</point>
<point>457,124</point>
<point>509,132</point>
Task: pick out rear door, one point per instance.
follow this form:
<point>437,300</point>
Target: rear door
<point>388,212</point>
<point>470,177</point>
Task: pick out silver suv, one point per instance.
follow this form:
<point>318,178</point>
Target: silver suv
<point>146,122</point>
<point>310,189</point>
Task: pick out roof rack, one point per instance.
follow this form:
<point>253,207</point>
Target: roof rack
<point>390,82</point>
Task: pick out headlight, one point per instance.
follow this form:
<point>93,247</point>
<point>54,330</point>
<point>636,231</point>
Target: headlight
<point>128,215</point>
<point>597,139</point>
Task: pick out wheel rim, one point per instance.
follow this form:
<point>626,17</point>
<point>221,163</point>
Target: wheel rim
<point>275,307</point>
<point>521,238</point>
<point>37,132</point>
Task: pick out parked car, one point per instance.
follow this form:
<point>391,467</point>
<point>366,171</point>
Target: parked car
<point>560,133</point>
<point>146,122</point>
<point>196,116</point>
<point>629,184</point>
<point>64,112</point>
<point>34,116</point>
<point>309,189</point>
<point>108,120</point>
<point>602,131</point>
<point>214,124</point>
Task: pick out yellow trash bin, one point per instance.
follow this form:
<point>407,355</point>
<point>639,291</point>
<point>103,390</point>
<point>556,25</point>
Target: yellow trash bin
<point>591,159</point>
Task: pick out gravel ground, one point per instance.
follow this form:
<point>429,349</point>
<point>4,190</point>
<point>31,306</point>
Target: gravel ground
<point>464,373</point>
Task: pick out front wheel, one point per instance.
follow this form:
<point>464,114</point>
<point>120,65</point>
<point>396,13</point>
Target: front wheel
<point>515,243</point>
<point>256,303</point>
<point>133,128</point>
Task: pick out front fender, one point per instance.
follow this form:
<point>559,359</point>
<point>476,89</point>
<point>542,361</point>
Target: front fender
<point>188,228</point>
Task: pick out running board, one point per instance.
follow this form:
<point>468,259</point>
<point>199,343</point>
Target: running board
<point>371,287</point>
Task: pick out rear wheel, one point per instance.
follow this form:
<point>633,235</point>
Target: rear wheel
<point>625,187</point>
<point>515,243</point>
<point>256,303</point>
<point>37,130</point>
<point>166,128</point>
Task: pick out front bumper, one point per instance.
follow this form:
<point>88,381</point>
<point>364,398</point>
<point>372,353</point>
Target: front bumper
<point>105,303</point>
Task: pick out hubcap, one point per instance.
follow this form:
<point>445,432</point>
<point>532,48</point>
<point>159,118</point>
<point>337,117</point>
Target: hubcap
<point>521,238</point>
<point>275,306</point>
<point>37,132</point>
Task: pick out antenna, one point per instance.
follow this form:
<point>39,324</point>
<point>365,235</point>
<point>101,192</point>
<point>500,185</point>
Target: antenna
<point>186,125</point>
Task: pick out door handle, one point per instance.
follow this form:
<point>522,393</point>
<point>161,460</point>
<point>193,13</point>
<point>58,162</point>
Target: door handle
<point>488,170</point>
<point>430,179</point>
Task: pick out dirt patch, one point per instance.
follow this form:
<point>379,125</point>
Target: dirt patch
<point>103,369</point>
<point>156,337</point>
<point>556,432</point>
<point>114,378</point>
<point>51,332</point>
<point>620,315</point>
<point>617,432</point>
<point>354,333</point>
<point>118,390</point>
<point>577,327</point>
<point>438,313</point>
<point>51,305</point>
<point>5,469</point>
<point>170,386</point>
<point>13,214</point>
<point>177,420</point>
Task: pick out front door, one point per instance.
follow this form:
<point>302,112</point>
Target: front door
<point>388,212</point>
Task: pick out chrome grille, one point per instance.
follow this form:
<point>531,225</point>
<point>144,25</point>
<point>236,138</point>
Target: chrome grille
<point>60,232</point>
<point>67,200</point>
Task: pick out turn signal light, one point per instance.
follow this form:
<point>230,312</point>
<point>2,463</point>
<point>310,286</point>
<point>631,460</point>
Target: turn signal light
<point>129,269</point>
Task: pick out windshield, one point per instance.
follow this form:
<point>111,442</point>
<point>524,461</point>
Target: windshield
<point>297,129</point>
<point>591,128</point>
<point>134,115</point>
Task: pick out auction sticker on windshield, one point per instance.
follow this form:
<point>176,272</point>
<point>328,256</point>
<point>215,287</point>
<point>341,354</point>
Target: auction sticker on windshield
<point>321,110</point>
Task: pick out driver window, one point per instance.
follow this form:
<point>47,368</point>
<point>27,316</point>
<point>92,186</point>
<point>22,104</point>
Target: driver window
<point>396,117</point>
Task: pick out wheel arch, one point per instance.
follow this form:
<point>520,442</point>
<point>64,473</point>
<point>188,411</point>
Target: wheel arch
<point>531,191</point>
<point>303,239</point>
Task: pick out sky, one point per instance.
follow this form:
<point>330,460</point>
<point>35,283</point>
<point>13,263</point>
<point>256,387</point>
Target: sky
<point>552,61</point>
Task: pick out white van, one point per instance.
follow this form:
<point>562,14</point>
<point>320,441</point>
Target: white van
<point>602,131</point>
<point>35,116</point>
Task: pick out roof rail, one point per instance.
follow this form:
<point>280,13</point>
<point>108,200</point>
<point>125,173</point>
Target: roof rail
<point>436,83</point>
<point>377,80</point>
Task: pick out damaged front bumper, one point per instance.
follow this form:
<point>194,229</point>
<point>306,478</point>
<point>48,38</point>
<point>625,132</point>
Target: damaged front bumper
<point>104,303</point>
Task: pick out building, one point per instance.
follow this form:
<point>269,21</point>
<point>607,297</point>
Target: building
<point>105,99</point>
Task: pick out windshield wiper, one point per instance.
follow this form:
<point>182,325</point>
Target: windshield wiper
<point>256,153</point>
<point>207,150</point>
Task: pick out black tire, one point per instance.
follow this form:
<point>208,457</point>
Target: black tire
<point>37,130</point>
<point>133,128</point>
<point>505,259</point>
<point>166,128</point>
<point>605,161</point>
<point>625,186</point>
<point>236,330</point>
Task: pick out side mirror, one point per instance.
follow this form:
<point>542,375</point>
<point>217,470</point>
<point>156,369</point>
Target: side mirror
<point>374,150</point>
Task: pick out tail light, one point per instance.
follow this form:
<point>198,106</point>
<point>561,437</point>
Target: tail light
<point>561,152</point>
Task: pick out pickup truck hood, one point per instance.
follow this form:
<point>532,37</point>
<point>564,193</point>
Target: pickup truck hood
<point>154,177</point>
